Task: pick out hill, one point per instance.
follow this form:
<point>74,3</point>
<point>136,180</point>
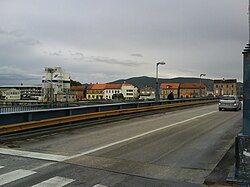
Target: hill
<point>150,81</point>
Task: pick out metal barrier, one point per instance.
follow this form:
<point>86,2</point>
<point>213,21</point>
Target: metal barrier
<point>38,115</point>
<point>28,108</point>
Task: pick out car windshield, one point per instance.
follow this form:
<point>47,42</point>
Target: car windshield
<point>228,98</point>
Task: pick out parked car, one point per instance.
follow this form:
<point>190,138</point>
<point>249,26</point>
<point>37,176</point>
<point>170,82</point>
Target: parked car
<point>229,102</point>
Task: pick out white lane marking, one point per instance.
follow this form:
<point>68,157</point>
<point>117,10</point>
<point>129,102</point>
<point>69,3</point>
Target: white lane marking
<point>1,167</point>
<point>54,182</point>
<point>140,135</point>
<point>99,185</point>
<point>59,158</point>
<point>14,175</point>
<point>36,155</point>
<point>42,166</point>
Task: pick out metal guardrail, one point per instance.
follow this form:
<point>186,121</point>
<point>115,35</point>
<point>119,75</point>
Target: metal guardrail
<point>44,114</point>
<point>28,108</point>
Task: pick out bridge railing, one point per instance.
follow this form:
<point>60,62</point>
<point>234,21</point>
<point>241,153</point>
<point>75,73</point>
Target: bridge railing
<point>14,117</point>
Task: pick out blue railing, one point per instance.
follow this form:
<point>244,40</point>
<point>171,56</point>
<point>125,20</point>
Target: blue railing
<point>15,116</point>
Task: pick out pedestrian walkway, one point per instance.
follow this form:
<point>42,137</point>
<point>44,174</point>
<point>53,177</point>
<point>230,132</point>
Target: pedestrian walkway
<point>18,174</point>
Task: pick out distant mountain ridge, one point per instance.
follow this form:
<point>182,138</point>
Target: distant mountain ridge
<point>143,81</point>
<point>150,81</point>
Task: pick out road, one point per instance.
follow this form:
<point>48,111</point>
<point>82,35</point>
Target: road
<point>177,148</point>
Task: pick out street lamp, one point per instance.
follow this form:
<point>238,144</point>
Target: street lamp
<point>201,75</point>
<point>157,94</point>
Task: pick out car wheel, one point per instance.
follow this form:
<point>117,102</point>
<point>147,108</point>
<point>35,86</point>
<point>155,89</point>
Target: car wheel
<point>220,109</point>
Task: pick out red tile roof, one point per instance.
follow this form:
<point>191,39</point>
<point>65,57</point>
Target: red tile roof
<point>113,86</point>
<point>172,86</point>
<point>104,86</point>
<point>192,86</point>
<point>96,87</point>
<point>76,88</point>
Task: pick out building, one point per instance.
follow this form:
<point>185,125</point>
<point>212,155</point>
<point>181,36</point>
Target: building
<point>68,97</point>
<point>167,88</point>
<point>55,81</point>
<point>107,91</point>
<point>192,90</point>
<point>11,94</point>
<point>225,87</point>
<point>95,91</point>
<point>147,93</point>
<point>27,92</point>
<point>78,91</point>
<point>129,91</point>
<point>111,90</point>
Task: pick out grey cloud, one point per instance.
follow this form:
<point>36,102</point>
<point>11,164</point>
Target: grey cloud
<point>17,79</point>
<point>195,35</point>
<point>19,37</point>
<point>113,61</point>
<point>137,55</point>
<point>28,42</point>
<point>15,33</point>
<point>57,53</point>
<point>14,75</point>
<point>77,55</point>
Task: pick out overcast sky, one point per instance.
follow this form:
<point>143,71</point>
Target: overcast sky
<point>105,40</point>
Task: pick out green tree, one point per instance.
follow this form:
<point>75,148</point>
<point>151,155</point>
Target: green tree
<point>75,83</point>
<point>118,96</point>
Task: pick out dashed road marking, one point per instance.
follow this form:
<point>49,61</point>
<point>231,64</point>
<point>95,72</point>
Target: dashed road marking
<point>99,185</point>
<point>54,182</point>
<point>15,175</point>
<point>28,154</point>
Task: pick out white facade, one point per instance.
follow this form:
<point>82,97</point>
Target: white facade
<point>108,93</point>
<point>28,92</point>
<point>129,91</point>
<point>11,94</point>
<point>55,81</point>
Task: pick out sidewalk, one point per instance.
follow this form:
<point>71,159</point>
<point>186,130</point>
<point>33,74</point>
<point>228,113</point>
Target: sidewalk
<point>220,173</point>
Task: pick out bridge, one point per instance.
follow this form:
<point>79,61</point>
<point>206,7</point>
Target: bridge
<point>171,143</point>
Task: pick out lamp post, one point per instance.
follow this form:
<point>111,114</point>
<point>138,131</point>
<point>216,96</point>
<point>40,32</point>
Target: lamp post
<point>242,141</point>
<point>201,75</point>
<point>157,92</point>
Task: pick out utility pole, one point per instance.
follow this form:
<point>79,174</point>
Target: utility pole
<point>202,74</point>
<point>242,142</point>
<point>157,87</point>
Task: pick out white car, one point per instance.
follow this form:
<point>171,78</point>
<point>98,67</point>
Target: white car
<point>229,102</point>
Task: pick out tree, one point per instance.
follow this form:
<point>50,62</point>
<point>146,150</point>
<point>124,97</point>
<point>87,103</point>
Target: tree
<point>118,96</point>
<point>75,83</point>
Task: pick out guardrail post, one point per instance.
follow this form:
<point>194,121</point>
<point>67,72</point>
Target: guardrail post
<point>70,112</point>
<point>29,116</point>
<point>120,107</point>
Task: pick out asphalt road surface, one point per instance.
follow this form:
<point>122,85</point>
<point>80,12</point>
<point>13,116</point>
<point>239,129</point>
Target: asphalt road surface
<point>178,148</point>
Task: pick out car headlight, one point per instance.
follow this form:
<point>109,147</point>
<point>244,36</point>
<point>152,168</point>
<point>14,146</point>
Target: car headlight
<point>219,103</point>
<point>235,104</point>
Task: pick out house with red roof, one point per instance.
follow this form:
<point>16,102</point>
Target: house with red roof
<point>191,90</point>
<point>107,91</point>
<point>167,88</point>
<point>95,91</point>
